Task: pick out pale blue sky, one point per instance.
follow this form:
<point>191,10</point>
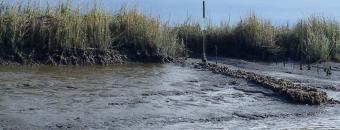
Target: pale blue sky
<point>278,11</point>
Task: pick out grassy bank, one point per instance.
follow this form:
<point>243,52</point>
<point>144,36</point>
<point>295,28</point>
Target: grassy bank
<point>315,39</point>
<point>64,34</point>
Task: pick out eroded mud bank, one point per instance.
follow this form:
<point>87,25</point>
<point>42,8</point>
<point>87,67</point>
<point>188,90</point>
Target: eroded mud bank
<point>80,57</point>
<point>65,57</point>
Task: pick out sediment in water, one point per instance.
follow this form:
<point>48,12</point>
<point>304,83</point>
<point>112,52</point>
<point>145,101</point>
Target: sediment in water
<point>297,93</point>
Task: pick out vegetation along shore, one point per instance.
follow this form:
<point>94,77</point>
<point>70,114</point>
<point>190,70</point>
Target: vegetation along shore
<point>64,34</point>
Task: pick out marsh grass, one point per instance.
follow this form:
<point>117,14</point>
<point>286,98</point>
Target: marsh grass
<point>34,31</point>
<point>144,36</point>
<point>61,27</point>
<point>255,36</point>
<point>250,37</point>
<point>28,29</point>
<point>317,38</point>
<point>314,39</point>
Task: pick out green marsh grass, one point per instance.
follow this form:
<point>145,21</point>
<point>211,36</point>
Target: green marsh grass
<point>27,29</point>
<point>144,35</point>
<point>315,39</point>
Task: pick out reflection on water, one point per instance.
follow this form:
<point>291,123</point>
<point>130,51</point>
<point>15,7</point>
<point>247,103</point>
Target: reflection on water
<point>146,96</point>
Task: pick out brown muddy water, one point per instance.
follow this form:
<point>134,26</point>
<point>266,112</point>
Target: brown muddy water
<point>152,96</point>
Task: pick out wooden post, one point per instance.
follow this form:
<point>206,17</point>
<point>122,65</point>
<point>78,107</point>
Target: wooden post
<point>284,62</point>
<point>204,57</point>
<point>329,72</point>
<point>309,66</point>
<point>203,9</point>
<point>216,53</point>
<point>300,45</point>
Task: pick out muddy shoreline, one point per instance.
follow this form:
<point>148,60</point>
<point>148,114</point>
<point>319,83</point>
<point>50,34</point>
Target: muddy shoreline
<point>296,93</point>
<point>82,57</point>
<point>148,96</point>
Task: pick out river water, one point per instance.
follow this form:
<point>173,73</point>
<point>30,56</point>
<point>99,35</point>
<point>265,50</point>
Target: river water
<point>147,96</point>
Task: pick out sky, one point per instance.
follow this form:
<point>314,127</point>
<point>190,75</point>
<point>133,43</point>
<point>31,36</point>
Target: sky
<point>278,11</point>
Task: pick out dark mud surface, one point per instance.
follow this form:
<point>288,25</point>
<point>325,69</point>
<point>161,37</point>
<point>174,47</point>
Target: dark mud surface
<point>149,96</point>
<point>62,57</point>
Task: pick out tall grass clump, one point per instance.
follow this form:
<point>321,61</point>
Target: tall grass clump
<point>251,38</point>
<point>36,32</point>
<point>287,40</point>
<point>220,39</point>
<point>317,39</point>
<point>25,30</point>
<point>256,37</point>
<point>144,37</point>
<point>191,35</point>
<point>311,40</point>
<point>217,37</point>
<point>168,43</point>
<point>63,27</point>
